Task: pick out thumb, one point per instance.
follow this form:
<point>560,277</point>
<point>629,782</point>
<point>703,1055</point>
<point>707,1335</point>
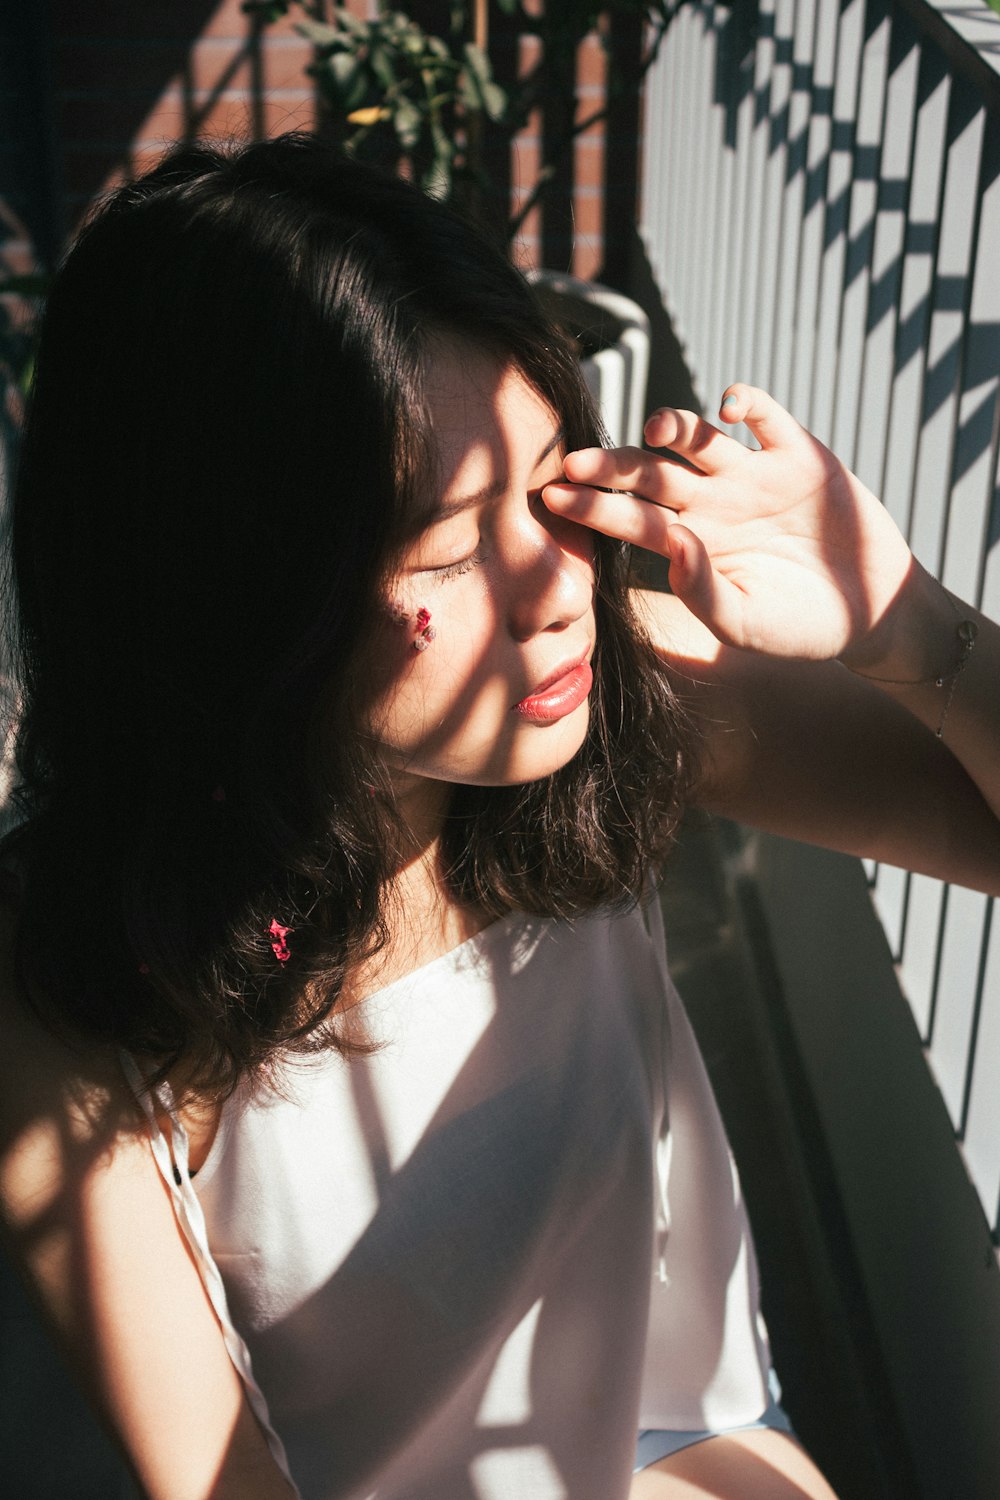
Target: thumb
<point>771,424</point>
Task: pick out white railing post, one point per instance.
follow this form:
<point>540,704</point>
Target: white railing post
<point>831,229</point>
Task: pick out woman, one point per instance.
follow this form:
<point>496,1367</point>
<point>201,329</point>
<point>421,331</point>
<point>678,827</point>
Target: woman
<point>352,1134</point>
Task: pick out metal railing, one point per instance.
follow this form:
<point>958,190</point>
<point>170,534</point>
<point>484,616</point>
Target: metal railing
<point>821,210</point>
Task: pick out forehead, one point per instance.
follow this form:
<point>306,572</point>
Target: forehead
<point>489,423</point>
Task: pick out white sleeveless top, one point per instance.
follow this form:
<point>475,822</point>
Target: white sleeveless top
<point>471,1265</point>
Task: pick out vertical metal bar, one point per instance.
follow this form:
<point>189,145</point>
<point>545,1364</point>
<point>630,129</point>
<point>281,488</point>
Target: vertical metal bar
<point>990,587</point>
<point>721,217</point>
<point>838,187</point>
<point>982,1104</point>
<point>956,994</point>
<point>889,896</point>
<point>653,163</point>
<point>681,205</point>
<point>920,248</point>
<point>887,253</point>
<point>939,413</point>
<point>772,187</point>
<point>866,170</point>
<point>803,28</point>
<point>734,360</point>
<point>661,162</point>
<point>918,960</point>
<point>975,1026</point>
<point>818,150</point>
<point>757,168</point>
<point>699,307</point>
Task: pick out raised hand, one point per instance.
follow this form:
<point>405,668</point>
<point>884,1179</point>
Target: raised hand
<point>780,550</point>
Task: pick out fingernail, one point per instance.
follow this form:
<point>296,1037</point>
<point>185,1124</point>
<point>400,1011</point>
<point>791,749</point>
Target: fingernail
<point>729,401</point>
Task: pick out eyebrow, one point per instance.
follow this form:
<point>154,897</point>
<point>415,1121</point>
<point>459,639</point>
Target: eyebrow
<point>491,491</point>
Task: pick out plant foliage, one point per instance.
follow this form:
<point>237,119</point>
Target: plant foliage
<point>390,90</point>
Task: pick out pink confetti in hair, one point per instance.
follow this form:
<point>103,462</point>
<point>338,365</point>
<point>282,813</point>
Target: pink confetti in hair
<point>279,943</point>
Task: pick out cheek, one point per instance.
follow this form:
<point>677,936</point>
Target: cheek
<point>401,667</point>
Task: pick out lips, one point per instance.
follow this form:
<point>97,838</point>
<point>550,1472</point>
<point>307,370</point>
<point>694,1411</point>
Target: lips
<point>559,693</point>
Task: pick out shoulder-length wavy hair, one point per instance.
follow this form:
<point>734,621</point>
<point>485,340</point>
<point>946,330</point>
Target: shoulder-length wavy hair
<point>227,445</point>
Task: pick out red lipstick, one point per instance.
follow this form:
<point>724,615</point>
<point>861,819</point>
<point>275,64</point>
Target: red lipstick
<point>558,695</point>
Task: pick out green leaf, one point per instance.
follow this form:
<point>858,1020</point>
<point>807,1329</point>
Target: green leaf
<point>407,123</point>
<point>349,23</point>
<point>381,63</point>
<point>495,102</point>
<point>345,79</point>
<point>478,63</point>
<point>478,90</point>
<point>320,34</point>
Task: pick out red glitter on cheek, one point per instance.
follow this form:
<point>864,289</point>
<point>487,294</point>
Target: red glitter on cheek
<point>425,630</point>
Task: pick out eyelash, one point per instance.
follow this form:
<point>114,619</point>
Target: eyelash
<point>456,569</point>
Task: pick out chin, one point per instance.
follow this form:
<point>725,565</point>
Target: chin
<point>539,750</point>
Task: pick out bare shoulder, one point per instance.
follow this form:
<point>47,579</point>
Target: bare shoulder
<point>92,1225</point>
<point>63,1107</point>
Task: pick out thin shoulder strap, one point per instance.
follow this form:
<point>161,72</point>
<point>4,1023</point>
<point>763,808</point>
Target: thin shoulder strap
<point>171,1158</point>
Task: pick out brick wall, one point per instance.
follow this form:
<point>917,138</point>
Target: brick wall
<point>107,83</point>
<point>128,79</point>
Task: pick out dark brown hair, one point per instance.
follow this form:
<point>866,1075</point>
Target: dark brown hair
<point>226,446</point>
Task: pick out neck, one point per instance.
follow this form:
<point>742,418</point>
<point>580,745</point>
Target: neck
<point>425,920</point>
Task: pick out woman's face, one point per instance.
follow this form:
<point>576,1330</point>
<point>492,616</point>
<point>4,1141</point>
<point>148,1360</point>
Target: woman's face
<point>481,663</point>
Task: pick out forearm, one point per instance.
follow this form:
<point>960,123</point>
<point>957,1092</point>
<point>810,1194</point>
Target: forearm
<point>807,751</point>
<point>810,751</point>
<point>939,658</point>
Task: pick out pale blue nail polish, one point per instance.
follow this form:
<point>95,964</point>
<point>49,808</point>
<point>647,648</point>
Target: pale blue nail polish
<point>729,401</point>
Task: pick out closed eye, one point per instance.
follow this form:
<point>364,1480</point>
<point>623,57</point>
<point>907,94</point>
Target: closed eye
<point>456,569</point>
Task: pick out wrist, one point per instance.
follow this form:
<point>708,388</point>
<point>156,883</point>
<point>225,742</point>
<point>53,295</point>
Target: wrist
<point>928,638</point>
<point>914,639</point>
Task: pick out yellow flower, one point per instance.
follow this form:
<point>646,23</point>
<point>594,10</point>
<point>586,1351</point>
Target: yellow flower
<point>370,115</point>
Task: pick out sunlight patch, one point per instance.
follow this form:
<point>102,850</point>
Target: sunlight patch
<point>517,1471</point>
<point>507,1398</point>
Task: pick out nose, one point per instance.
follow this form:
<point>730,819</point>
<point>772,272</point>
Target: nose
<point>550,571</point>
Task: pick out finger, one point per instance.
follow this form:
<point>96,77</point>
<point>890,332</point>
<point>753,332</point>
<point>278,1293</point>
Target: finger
<point>771,424</point>
<point>714,600</point>
<point>648,475</point>
<point>626,517</point>
<point>685,433</point>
